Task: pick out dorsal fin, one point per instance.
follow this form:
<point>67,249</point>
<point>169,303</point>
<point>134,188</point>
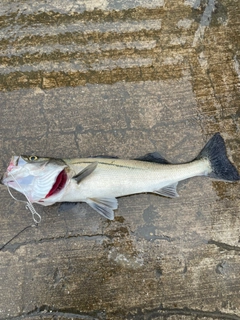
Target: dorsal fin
<point>149,157</point>
<point>104,157</point>
<point>153,157</point>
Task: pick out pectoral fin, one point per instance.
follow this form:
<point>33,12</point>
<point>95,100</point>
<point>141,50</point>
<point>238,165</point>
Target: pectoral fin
<point>85,172</point>
<point>168,191</point>
<point>104,206</point>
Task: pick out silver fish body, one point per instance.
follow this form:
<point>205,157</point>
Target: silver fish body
<point>117,178</point>
<point>99,181</point>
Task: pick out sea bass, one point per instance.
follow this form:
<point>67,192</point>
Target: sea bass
<point>98,181</point>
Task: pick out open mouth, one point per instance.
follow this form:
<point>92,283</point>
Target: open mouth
<point>59,184</point>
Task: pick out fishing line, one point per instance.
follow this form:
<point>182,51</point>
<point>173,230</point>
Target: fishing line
<point>29,206</point>
<point>5,244</point>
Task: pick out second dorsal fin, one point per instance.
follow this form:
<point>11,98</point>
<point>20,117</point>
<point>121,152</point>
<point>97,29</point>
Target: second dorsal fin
<point>153,157</point>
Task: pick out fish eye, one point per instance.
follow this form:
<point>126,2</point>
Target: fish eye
<point>32,158</point>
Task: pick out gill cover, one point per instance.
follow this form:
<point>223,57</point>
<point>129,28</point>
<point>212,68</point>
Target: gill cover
<point>35,176</point>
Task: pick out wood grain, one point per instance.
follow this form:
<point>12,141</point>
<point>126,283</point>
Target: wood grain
<point>121,78</point>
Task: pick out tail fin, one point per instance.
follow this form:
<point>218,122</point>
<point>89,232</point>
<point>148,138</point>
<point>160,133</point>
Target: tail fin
<point>215,152</point>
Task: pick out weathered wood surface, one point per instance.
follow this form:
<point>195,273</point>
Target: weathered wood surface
<point>124,78</point>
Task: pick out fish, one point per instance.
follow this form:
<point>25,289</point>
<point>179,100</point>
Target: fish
<point>100,180</point>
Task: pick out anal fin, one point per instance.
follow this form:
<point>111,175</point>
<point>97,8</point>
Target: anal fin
<point>104,206</point>
<point>169,191</point>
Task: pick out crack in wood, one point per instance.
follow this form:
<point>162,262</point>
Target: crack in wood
<point>224,246</point>
<point>133,314</point>
<point>13,247</point>
<point>168,312</point>
<point>52,315</point>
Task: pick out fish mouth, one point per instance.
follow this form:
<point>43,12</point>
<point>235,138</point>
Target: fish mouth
<point>59,184</point>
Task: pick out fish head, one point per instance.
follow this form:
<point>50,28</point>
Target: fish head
<point>36,177</point>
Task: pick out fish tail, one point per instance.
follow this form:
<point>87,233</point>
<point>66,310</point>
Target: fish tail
<point>215,152</point>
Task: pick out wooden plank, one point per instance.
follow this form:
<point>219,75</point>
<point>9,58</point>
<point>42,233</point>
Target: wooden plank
<point>124,79</point>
